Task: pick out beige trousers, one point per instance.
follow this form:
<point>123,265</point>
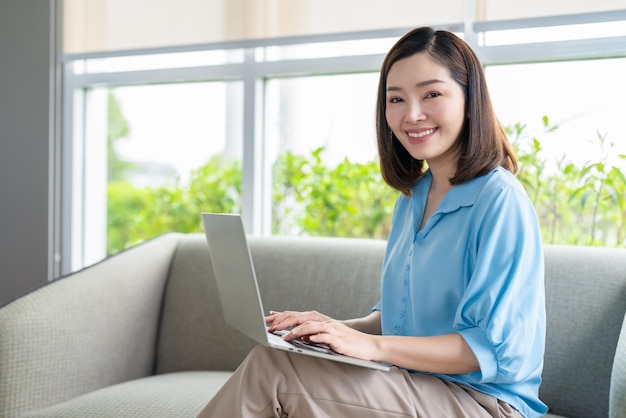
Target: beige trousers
<point>272,384</point>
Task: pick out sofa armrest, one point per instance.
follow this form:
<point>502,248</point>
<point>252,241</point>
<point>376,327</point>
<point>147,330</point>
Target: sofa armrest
<point>89,330</point>
<point>617,399</point>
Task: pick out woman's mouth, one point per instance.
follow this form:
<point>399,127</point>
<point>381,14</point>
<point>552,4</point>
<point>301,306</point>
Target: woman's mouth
<point>420,136</point>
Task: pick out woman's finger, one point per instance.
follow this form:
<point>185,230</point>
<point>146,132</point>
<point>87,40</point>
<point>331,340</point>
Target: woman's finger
<point>290,319</point>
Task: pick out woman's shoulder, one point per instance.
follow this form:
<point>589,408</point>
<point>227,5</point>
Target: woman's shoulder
<point>500,178</point>
<point>500,185</point>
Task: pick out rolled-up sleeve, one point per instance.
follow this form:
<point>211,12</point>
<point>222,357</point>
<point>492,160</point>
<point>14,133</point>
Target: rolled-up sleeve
<point>502,312</point>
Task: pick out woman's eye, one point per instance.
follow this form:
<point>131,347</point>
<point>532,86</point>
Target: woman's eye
<point>432,95</point>
<point>395,100</point>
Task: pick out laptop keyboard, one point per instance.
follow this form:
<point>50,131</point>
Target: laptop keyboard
<point>300,343</point>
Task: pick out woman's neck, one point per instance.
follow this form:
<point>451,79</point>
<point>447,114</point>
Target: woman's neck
<point>441,175</point>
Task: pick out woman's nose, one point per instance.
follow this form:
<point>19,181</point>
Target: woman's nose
<point>414,113</point>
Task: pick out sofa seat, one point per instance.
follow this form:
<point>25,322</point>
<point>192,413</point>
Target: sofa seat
<point>171,395</point>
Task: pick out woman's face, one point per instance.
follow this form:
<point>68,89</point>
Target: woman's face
<point>425,109</point>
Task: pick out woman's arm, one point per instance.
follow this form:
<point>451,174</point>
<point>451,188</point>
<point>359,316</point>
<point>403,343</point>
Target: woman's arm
<point>369,324</point>
<point>360,338</point>
<point>446,354</point>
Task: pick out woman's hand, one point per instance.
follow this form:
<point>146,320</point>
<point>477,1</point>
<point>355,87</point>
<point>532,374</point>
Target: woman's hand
<point>321,329</point>
<point>289,319</point>
<point>339,337</point>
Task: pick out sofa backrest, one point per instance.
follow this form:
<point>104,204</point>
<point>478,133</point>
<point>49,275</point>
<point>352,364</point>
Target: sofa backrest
<point>340,277</point>
<point>585,305</point>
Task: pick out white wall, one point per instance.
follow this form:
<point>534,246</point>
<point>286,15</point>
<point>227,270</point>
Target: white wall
<point>25,62</point>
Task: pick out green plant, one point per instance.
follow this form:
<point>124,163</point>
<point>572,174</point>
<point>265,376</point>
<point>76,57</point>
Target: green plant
<point>349,200</point>
<point>576,204</point>
<point>118,131</point>
<point>529,152</point>
<point>136,214</point>
<point>602,191</point>
<point>580,204</point>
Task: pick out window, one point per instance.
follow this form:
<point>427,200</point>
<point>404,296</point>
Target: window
<point>172,151</point>
<point>572,138</point>
<point>171,121</point>
<point>321,144</point>
<point>257,114</point>
<point>582,98</point>
<point>181,155</point>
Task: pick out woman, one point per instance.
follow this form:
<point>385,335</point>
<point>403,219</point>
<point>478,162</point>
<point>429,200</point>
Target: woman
<point>462,313</point>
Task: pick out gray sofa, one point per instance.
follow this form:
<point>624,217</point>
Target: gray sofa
<point>141,334</point>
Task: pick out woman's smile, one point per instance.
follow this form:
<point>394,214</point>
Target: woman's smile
<point>418,136</point>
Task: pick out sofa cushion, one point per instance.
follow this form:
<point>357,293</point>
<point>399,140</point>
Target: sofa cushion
<point>175,395</point>
<point>585,305</point>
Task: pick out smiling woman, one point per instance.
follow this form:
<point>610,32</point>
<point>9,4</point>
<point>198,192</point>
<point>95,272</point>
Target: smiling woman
<point>462,277</point>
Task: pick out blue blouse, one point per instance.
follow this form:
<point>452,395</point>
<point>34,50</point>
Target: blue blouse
<point>475,268</point>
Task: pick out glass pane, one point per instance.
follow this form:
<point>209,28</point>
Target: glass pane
<point>174,150</point>
<point>320,141</point>
<point>570,130</point>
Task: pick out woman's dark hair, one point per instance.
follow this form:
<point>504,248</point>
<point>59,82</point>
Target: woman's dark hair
<point>482,144</point>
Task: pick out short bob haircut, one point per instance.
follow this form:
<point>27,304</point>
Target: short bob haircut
<point>482,144</point>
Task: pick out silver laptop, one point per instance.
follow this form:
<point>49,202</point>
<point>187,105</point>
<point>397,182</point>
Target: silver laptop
<point>239,291</point>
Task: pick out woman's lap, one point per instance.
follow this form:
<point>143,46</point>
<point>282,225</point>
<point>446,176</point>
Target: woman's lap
<point>274,383</point>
